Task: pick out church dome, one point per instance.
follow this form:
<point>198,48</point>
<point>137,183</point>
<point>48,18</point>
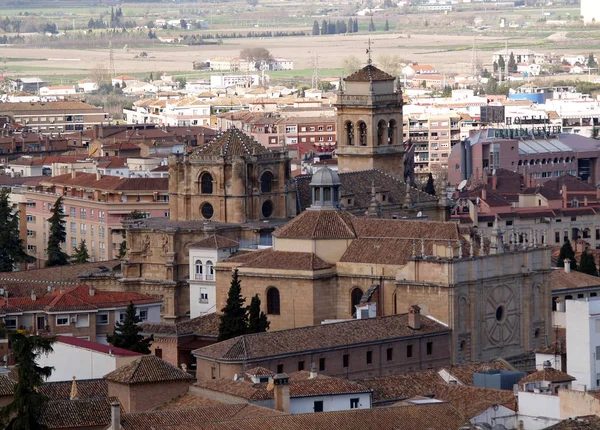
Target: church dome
<point>325,177</point>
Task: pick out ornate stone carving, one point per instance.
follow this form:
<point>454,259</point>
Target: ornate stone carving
<point>501,316</point>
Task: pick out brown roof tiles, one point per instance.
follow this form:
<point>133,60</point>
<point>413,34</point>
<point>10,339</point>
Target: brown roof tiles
<point>215,241</point>
<point>147,369</point>
<point>204,325</point>
<point>232,143</point>
<point>369,73</point>
<point>548,375</point>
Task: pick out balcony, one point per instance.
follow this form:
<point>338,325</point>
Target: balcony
<point>210,277</point>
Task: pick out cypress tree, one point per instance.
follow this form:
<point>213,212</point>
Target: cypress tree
<point>24,410</point>
<point>127,333</point>
<point>355,25</point>
<point>512,63</point>
<point>371,25</point>
<point>257,320</point>
<point>387,26</point>
<point>11,243</point>
<point>430,186</point>
<point>81,254</point>
<point>350,25</point>
<point>324,27</point>
<point>566,251</point>
<point>316,31</point>
<point>502,64</point>
<point>234,321</point>
<point>587,264</point>
<point>58,235</point>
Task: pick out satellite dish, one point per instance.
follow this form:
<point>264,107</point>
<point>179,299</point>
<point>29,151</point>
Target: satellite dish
<point>419,214</point>
<point>462,185</point>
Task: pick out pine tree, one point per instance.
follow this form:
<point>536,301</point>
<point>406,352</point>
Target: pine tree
<point>512,63</point>
<point>566,251</point>
<point>387,26</point>
<point>127,333</point>
<point>350,25</point>
<point>371,25</point>
<point>24,410</point>
<point>11,243</point>
<point>234,320</point>
<point>430,187</point>
<point>316,31</point>
<point>587,264</point>
<point>58,235</point>
<point>257,320</point>
<point>81,254</point>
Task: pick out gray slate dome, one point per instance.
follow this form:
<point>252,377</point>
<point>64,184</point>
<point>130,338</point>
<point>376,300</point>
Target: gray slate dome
<point>325,177</point>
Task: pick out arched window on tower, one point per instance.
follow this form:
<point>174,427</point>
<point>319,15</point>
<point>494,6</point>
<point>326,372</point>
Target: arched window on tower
<point>210,271</point>
<point>266,182</point>
<point>206,183</point>
<point>273,301</point>
<point>381,132</point>
<point>355,296</point>
<point>392,131</point>
<point>350,133</point>
<point>362,133</point>
<point>198,271</point>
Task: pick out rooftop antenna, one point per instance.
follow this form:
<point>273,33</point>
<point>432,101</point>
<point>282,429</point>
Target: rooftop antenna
<point>111,60</point>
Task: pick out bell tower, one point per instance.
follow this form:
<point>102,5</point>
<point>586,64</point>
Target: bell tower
<point>369,123</point>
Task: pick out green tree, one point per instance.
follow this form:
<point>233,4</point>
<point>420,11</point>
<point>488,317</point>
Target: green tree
<point>386,27</point>
<point>234,321</point>
<point>316,31</point>
<point>257,320</point>
<point>495,65</point>
<point>58,235</point>
<point>447,91</point>
<point>501,64</point>
<point>591,63</point>
<point>127,333</point>
<point>587,264</point>
<point>566,251</point>
<point>371,25</point>
<point>324,27</point>
<point>512,63</point>
<point>355,25</point>
<point>81,254</point>
<point>430,186</point>
<point>10,242</point>
<point>350,25</point>
<point>23,412</point>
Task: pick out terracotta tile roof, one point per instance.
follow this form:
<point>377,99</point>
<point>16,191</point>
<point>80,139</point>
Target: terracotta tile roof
<point>573,184</point>
<point>357,185</point>
<point>436,416</point>
<point>259,371</point>
<point>333,335</point>
<point>77,414</point>
<point>232,143</point>
<point>591,422</point>
<point>548,375</point>
<point>547,192</point>
<point>369,73</point>
<point>215,241</point>
<point>284,260</point>
<point>187,418</point>
<point>55,275</point>
<point>86,389</point>
<point>26,108</point>
<point>147,369</point>
<point>319,225</point>
<point>108,182</point>
<point>7,386</point>
<point>389,389</point>
<point>560,280</point>
<point>464,373</point>
<point>205,325</point>
<point>188,401</point>
<point>471,401</point>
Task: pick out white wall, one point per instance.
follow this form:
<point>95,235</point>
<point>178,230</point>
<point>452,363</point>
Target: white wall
<point>204,284</point>
<point>69,361</point>
<point>538,411</point>
<point>582,341</point>
<point>341,402</point>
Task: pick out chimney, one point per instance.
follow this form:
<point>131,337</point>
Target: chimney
<point>115,416</point>
<point>98,176</point>
<point>73,174</point>
<point>585,201</point>
<point>281,383</point>
<point>598,193</point>
<point>92,291</point>
<point>564,195</point>
<point>484,194</point>
<point>494,181</point>
<point>414,317</point>
<point>33,296</point>
<point>313,371</point>
<point>567,265</point>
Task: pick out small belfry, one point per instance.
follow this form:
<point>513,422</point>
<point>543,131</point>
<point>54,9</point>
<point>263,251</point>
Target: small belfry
<point>369,121</point>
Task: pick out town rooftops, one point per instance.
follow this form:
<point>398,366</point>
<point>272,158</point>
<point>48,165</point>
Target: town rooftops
<point>321,337</point>
<point>281,260</point>
<point>146,370</point>
<point>77,414</point>
<point>546,375</point>
<point>369,73</point>
<point>204,325</point>
<point>560,280</point>
<point>96,347</point>
<point>25,108</point>
<point>232,143</point>
<point>590,422</point>
<point>107,182</point>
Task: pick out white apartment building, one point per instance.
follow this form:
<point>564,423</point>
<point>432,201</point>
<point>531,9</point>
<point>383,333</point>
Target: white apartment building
<point>180,113</point>
<point>583,346</point>
<point>203,256</point>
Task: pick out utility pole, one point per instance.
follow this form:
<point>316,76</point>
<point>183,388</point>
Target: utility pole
<point>111,61</point>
